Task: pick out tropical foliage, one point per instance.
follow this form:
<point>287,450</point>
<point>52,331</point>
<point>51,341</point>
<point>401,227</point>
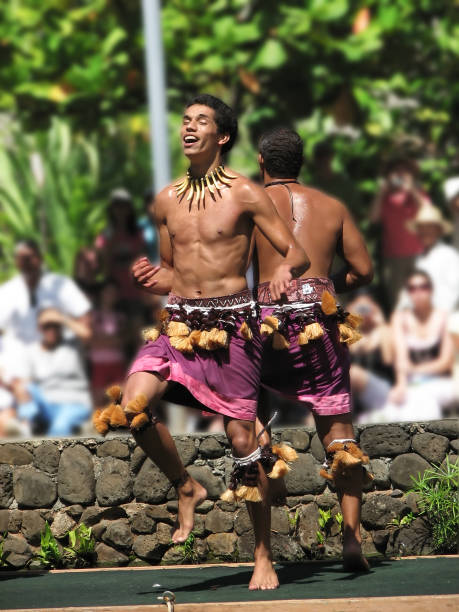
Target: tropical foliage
<point>370,75</point>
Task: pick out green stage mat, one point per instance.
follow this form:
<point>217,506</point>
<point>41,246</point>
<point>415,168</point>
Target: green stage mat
<point>314,580</point>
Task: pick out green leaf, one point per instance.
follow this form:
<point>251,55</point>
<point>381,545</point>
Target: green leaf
<point>272,55</point>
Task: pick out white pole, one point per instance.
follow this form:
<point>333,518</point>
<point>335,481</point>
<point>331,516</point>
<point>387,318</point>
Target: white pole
<point>156,89</point>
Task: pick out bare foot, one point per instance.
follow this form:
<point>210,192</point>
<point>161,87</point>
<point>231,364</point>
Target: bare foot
<point>264,577</point>
<point>353,559</point>
<point>190,495</point>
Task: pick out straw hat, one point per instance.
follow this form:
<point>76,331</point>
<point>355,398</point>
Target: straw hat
<point>431,215</point>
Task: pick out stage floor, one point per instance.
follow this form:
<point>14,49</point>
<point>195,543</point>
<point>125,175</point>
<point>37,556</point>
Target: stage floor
<point>410,584</point>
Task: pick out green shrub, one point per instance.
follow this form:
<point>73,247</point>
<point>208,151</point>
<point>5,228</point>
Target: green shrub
<point>439,504</point>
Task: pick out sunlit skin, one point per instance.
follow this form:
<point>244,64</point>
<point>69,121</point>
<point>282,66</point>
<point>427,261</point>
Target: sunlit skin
<point>325,228</point>
<point>204,252</point>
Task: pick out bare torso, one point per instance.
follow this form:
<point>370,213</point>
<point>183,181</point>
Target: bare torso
<point>317,227</point>
<point>207,246</point>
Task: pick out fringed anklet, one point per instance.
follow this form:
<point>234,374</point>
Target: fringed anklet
<point>343,456</point>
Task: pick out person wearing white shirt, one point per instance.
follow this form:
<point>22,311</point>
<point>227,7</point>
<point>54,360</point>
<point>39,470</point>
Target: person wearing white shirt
<point>52,390</point>
<point>32,289</point>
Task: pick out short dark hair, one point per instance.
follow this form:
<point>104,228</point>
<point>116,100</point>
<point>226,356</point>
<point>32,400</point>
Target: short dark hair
<point>225,117</point>
<point>28,243</point>
<point>401,161</point>
<point>282,152</point>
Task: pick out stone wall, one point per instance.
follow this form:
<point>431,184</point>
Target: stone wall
<point>110,486</point>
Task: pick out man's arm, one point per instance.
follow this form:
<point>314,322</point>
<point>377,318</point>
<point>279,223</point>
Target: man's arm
<point>151,278</point>
<point>358,269</point>
<point>268,221</point>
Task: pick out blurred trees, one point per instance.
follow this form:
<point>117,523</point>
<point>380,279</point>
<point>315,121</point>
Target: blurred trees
<point>372,76</point>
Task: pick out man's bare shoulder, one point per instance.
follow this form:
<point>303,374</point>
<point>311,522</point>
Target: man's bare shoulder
<point>324,199</point>
<point>162,200</point>
<point>246,191</point>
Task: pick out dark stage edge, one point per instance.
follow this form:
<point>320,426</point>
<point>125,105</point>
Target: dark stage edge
<point>201,585</point>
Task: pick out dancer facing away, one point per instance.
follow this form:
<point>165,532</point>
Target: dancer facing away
<point>305,356</point>
<point>208,339</point>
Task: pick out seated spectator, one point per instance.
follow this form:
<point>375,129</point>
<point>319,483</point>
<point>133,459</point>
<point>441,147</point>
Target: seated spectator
<point>371,357</point>
<point>423,357</point>
<point>86,270</point>
<point>438,259</point>
<point>51,389</point>
<point>397,202</point>
<point>107,354</point>
<point>29,291</point>
<point>119,245</point>
<point>147,227</point>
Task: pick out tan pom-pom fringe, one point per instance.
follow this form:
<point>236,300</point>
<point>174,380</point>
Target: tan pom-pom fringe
<point>266,330</point>
<point>164,316</point>
<point>118,417</point>
<point>182,344</point>
<point>137,405</point>
<point>329,306</point>
<point>279,470</point>
<point>312,331</point>
<point>251,494</point>
<point>246,332</point>
<point>139,421</point>
<point>114,393</point>
<point>348,335</point>
<point>272,322</point>
<point>228,496</point>
<point>106,414</point>
<point>354,320</point>
<point>280,342</point>
<point>99,425</point>
<point>285,452</point>
<point>346,457</point>
<point>151,334</point>
<point>177,328</point>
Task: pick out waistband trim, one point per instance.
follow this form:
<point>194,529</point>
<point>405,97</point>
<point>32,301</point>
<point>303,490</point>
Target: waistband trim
<point>301,291</point>
<point>242,299</point>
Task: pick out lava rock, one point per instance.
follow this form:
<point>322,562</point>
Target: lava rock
<point>213,484</point>
<point>218,521</point>
<point>186,449</point>
<point>150,485</point>
<point>280,521</point>
<point>445,427</point>
<point>142,521</point>
<point>384,440</point>
<point>406,466</point>
<point>46,457</point>
<point>94,514</point>
<point>32,526</point>
<point>16,551</point>
<point>118,534</point>
<point>298,438</point>
<point>6,486</point>
<point>33,489</point>
<point>222,545</point>
<point>15,454</point>
<point>430,446</point>
<point>380,470</point>
<point>211,448</point>
<point>107,556</point>
<point>137,459</point>
<point>416,539</point>
<point>304,476</point>
<point>317,448</point>
<point>285,548</point>
<point>378,511</point>
<point>114,483</point>
<point>76,482</point>
<point>62,524</point>
<point>308,524</point>
<point>113,448</point>
<point>148,547</point>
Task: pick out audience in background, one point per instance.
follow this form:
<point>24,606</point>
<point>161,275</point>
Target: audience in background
<point>107,352</point>
<point>86,271</point>
<point>423,357</point>
<point>51,386</point>
<point>147,227</point>
<point>438,259</point>
<point>119,245</point>
<point>371,357</point>
<point>397,202</point>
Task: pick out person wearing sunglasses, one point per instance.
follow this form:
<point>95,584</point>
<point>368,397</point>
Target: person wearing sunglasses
<point>424,357</point>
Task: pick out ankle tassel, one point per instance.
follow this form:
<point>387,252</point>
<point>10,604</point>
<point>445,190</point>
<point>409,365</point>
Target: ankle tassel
<point>111,416</point>
<point>285,455</point>
<point>343,456</point>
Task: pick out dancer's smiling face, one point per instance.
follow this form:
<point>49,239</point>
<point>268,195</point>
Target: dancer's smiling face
<point>199,132</point>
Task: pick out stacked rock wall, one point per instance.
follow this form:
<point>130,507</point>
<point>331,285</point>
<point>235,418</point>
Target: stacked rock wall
<point>111,486</point>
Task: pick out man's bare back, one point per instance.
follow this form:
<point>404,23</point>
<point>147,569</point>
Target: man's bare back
<point>321,224</point>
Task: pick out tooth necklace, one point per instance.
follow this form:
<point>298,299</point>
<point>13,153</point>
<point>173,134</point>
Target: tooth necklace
<point>197,186</point>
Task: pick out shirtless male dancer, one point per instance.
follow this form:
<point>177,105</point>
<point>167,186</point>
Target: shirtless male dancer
<point>302,360</point>
<point>208,340</point>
